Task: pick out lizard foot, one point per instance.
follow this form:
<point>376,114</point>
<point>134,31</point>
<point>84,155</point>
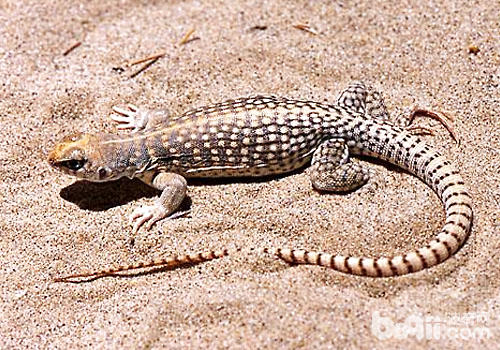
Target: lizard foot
<point>148,215</point>
<point>132,118</point>
<point>407,119</point>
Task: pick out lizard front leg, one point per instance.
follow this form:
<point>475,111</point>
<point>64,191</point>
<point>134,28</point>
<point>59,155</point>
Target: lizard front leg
<point>138,119</point>
<point>173,187</point>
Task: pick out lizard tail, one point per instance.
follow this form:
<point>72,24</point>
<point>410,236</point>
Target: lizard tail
<point>170,262</point>
<point>445,180</point>
<point>436,171</point>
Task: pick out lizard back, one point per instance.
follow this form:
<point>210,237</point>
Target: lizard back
<point>252,136</point>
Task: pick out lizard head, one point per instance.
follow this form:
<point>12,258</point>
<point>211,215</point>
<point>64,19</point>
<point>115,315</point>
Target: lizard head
<point>78,155</point>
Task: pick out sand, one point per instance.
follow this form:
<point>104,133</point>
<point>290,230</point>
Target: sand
<point>416,53</point>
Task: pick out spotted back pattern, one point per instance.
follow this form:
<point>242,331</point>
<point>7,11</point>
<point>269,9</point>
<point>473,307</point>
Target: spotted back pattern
<point>252,136</point>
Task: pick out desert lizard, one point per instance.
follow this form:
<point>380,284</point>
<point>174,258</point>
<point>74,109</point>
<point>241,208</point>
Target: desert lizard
<point>266,135</point>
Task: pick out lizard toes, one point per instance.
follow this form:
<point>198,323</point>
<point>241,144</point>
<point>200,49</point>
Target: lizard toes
<point>147,215</point>
<point>120,118</point>
<point>123,112</point>
<point>139,217</point>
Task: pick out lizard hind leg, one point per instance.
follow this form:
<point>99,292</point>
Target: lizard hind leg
<point>361,98</point>
<point>332,171</point>
<point>137,119</point>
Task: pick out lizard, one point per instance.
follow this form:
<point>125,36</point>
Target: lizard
<point>268,135</point>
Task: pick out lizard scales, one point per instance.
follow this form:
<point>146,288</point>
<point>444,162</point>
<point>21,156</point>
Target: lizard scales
<point>265,135</point>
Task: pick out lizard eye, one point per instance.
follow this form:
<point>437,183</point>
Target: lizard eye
<point>73,164</point>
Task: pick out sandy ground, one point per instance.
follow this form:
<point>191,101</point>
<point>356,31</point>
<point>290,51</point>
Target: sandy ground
<point>416,54</point>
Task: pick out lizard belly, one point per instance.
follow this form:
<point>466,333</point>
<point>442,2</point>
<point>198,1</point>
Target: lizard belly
<point>243,170</point>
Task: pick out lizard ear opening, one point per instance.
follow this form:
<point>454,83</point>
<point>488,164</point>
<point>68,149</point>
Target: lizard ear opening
<point>103,172</point>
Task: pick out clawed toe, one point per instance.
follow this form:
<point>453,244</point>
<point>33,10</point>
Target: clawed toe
<point>148,215</point>
<point>444,119</point>
<point>131,118</point>
<point>421,130</point>
<point>132,108</point>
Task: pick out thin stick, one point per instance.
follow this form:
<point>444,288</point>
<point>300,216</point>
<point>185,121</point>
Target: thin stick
<point>439,116</point>
<point>144,67</point>
<point>71,48</point>
<point>305,28</point>
<point>148,58</point>
<point>258,27</point>
<point>186,37</point>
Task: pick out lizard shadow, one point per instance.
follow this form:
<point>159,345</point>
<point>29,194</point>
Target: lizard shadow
<point>96,196</point>
<point>102,196</point>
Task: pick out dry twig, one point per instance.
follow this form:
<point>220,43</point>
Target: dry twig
<point>187,37</point>
<point>71,48</point>
<point>306,28</point>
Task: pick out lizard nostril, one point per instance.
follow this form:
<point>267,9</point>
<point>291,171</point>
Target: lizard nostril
<point>53,158</point>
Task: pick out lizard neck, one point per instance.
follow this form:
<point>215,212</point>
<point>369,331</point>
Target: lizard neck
<point>124,155</point>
